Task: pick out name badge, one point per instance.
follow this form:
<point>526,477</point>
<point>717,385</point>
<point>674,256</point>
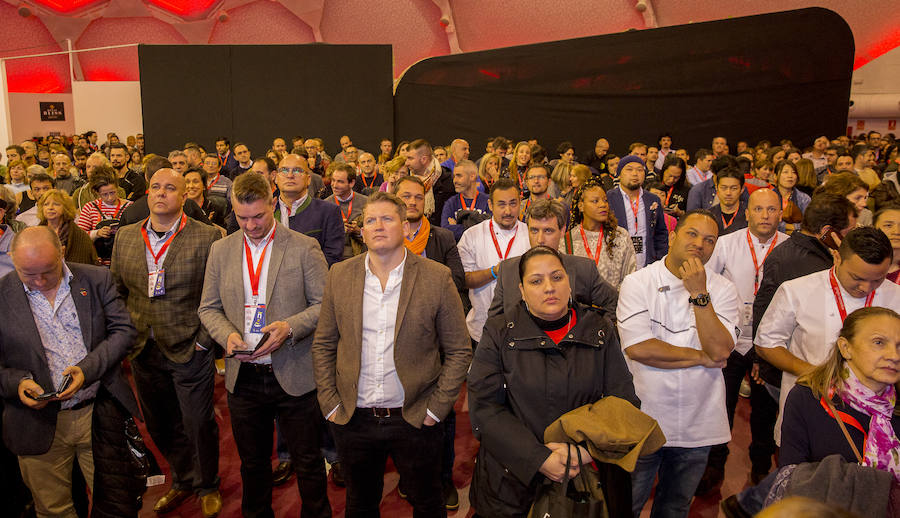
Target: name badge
<point>747,314</point>
<point>638,242</point>
<point>254,318</point>
<point>156,285</point>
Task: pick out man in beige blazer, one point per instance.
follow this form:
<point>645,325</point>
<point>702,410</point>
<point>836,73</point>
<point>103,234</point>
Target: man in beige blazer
<point>268,279</point>
<point>390,353</point>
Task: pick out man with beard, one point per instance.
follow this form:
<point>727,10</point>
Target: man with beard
<point>61,170</point>
<point>369,180</point>
<point>437,179</point>
<point>640,212</point>
<point>131,182</point>
<point>465,181</point>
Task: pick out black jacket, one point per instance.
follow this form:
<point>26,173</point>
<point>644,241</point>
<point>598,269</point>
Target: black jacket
<point>800,255</point>
<point>520,382</point>
<point>443,190</point>
<point>441,247</point>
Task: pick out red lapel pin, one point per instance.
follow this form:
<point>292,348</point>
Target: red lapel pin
<point>84,293</point>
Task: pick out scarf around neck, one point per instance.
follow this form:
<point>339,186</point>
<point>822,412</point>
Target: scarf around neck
<point>882,448</point>
<point>417,244</point>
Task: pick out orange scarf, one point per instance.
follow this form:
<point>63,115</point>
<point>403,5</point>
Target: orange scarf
<point>417,245</point>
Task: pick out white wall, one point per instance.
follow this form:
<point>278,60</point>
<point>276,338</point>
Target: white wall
<point>879,125</point>
<point>25,116</point>
<point>108,106</point>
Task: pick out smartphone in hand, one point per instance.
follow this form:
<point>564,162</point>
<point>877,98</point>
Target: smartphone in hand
<point>248,352</point>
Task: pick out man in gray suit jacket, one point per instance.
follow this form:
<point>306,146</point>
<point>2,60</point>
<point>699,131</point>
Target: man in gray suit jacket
<point>267,280</point>
<point>546,225</point>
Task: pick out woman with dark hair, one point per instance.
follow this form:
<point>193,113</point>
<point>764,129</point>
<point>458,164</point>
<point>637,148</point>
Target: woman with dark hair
<point>566,153</point>
<point>673,180</point>
<point>793,200</point>
<point>887,220</point>
<point>596,234</point>
<point>213,207</point>
<point>534,364</point>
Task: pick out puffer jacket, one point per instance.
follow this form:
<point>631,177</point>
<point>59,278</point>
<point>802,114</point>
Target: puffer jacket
<point>519,383</point>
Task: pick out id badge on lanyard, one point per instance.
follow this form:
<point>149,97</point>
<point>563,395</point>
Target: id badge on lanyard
<point>156,285</point>
<point>254,317</point>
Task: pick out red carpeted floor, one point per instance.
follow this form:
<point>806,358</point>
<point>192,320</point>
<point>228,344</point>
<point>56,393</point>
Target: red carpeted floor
<point>286,500</point>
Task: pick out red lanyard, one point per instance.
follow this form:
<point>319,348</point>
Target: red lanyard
<point>255,272</point>
<point>839,299</point>
<point>726,225</point>
<point>214,181</point>
<point>671,190</point>
<point>349,207</point>
<point>462,202</point>
<point>757,266</point>
<point>596,256</point>
<point>366,184</point>
<point>165,245</point>
<point>784,202</point>
<point>115,214</point>
<point>497,245</point>
<point>634,209</point>
<point>845,417</point>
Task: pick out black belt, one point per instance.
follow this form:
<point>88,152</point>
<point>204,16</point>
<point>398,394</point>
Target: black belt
<point>80,405</point>
<point>382,412</point>
<point>258,368</point>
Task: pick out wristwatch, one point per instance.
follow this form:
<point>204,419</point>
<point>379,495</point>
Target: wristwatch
<point>701,300</point>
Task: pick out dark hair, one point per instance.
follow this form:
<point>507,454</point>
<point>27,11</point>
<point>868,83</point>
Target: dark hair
<point>827,209</point>
<point>723,162</point>
<point>701,153</point>
<point>19,149</point>
<point>503,184</point>
<point>502,142</point>
<point>42,177</point>
<point>79,152</point>
<point>857,150</point>
<point>203,174</point>
<point>223,139</point>
<point>698,212</point>
<point>118,145</point>
<point>249,188</point>
<point>154,164</point>
<point>546,209</point>
<point>87,134</point>
<point>564,146</point>
<point>270,164</point>
<point>843,184</point>
<point>884,210</point>
<point>576,217</point>
<point>869,243</point>
<point>666,134</point>
<point>103,175</point>
<point>418,144</point>
<point>744,164</point>
<point>347,168</point>
<point>534,252</point>
<point>213,155</point>
<point>730,172</point>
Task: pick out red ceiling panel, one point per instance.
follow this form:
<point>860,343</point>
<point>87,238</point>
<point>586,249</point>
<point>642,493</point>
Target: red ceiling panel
<point>121,64</point>
<point>23,36</point>
<point>187,9</point>
<point>262,22</point>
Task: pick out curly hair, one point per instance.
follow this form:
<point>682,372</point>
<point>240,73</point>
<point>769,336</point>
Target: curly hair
<point>610,226</point>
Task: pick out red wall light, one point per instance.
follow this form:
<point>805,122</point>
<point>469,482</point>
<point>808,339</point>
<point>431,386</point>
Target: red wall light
<point>187,9</point>
<point>68,6</point>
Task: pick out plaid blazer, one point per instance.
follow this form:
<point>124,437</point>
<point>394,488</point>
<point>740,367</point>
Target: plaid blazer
<point>173,316</point>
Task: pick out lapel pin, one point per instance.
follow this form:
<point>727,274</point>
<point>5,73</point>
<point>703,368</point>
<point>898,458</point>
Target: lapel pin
<point>83,293</point>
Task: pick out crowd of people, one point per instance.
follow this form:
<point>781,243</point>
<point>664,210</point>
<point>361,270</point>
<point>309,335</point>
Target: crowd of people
<point>346,299</point>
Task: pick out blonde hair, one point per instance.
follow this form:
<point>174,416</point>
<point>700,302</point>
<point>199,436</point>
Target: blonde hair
<point>806,173</point>
<point>560,175</point>
<point>60,196</point>
<point>833,372</point>
<point>513,165</point>
<point>391,167</point>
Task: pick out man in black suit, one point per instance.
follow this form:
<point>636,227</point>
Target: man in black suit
<point>546,225</point>
<point>70,322</point>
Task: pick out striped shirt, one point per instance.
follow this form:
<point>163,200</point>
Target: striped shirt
<point>96,211</point>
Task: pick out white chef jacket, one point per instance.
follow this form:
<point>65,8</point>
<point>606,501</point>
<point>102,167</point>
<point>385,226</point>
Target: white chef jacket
<point>733,260</point>
<point>477,252</point>
<point>688,403</point>
<point>803,317</point>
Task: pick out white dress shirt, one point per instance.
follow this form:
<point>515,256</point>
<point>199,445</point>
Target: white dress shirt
<point>252,339</point>
<point>379,384</point>
<point>688,403</point>
<point>732,259</point>
<point>803,317</point>
<point>477,252</point>
<point>156,243</point>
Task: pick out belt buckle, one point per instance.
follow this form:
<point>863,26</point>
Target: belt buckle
<point>381,412</point>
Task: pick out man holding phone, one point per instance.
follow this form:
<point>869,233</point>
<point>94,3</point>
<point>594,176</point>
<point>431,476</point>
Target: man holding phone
<point>261,301</point>
<point>59,373</point>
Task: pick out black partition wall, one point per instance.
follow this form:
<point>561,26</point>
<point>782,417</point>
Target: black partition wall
<point>780,75</point>
<point>253,93</point>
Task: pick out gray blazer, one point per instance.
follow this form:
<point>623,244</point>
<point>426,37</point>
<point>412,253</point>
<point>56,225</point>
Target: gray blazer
<point>587,286</point>
<point>294,286</point>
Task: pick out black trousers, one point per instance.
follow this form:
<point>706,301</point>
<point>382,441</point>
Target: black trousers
<point>763,413</point>
<point>255,403</point>
<point>118,483</point>
<point>364,444</point>
<point>177,402</point>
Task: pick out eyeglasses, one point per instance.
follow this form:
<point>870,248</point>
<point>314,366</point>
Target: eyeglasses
<point>297,171</point>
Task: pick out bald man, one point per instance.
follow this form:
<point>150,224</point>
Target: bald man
<point>459,151</point>
<point>159,265</point>
<point>734,259</point>
<point>70,323</point>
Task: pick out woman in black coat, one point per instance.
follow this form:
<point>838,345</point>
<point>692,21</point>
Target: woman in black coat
<point>533,365</point>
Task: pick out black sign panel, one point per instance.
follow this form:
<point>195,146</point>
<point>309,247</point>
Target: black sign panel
<point>52,112</point>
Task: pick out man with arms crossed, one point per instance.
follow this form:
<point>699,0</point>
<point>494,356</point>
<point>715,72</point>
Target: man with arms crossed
<point>388,317</point>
